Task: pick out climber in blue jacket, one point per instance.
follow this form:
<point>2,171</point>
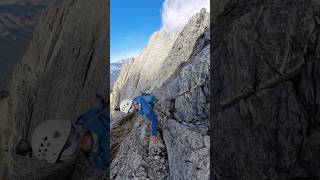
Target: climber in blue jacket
<point>61,140</point>
<point>143,104</point>
<point>96,139</point>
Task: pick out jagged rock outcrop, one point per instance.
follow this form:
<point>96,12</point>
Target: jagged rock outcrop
<point>140,74</point>
<point>137,158</point>
<point>60,74</point>
<point>265,100</point>
<point>183,93</point>
<point>185,115</point>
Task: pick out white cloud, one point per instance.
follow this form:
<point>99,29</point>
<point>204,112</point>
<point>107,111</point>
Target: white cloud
<point>176,13</point>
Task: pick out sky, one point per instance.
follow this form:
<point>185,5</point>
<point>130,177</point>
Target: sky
<point>131,25</point>
<point>133,22</point>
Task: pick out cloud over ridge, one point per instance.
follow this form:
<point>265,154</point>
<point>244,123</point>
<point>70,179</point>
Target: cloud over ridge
<point>176,13</point>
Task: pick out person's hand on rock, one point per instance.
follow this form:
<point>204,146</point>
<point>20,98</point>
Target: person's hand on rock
<point>154,139</point>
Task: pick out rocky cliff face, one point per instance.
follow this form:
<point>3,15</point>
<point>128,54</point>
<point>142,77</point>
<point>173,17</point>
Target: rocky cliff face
<point>265,89</point>
<point>59,76</point>
<point>183,93</point>
<point>140,74</point>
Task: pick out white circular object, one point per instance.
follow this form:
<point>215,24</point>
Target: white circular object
<point>49,138</point>
<point>125,105</point>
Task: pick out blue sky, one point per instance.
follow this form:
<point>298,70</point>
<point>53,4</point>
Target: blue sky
<point>131,25</point>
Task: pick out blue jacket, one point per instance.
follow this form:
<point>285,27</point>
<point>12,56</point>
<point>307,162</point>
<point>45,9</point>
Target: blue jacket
<point>97,122</point>
<point>147,110</point>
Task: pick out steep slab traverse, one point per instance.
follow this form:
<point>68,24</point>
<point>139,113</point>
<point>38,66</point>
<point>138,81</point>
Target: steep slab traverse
<point>182,109</point>
<point>139,158</point>
<point>266,90</point>
<point>63,69</point>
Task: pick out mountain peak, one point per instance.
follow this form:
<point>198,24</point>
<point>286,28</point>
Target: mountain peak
<point>124,60</point>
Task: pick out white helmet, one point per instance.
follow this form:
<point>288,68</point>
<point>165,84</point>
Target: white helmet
<point>125,105</point>
<point>49,138</point>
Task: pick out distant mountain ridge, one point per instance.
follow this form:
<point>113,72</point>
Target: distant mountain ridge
<point>115,69</point>
<point>16,27</point>
<point>5,2</point>
<point>17,23</point>
<point>39,2</point>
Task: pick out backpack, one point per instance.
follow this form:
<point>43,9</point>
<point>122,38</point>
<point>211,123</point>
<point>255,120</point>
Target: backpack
<point>97,121</point>
<point>150,99</point>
